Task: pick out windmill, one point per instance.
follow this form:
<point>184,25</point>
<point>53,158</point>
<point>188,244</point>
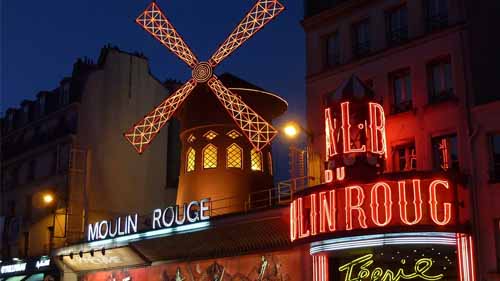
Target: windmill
<point>256,129</point>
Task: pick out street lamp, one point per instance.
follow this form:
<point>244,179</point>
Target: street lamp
<point>48,198</point>
<point>299,158</point>
<point>291,130</point>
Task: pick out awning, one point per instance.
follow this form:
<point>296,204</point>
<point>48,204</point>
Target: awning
<point>265,230</point>
<point>222,236</point>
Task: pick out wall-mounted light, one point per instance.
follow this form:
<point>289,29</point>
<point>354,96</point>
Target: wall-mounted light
<point>103,251</point>
<point>71,255</point>
<point>81,254</point>
<point>92,252</point>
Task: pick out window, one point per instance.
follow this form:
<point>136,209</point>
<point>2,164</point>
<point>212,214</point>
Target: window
<point>210,157</point>
<point>256,159</point>
<point>31,170</point>
<point>440,81</point>
<point>405,158</point>
<point>495,157</point>
<point>210,135</point>
<point>361,36</point>
<point>445,152</point>
<point>190,159</point>
<point>233,134</point>
<point>41,104</point>
<point>436,14</point>
<point>28,211</point>
<point>332,50</point>
<point>26,113</point>
<point>234,156</point>
<point>401,91</point>
<point>397,25</point>
<point>10,120</point>
<point>64,94</point>
<point>191,138</point>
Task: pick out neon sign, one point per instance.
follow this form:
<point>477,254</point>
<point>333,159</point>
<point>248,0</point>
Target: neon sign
<point>171,216</point>
<point>361,266</point>
<point>419,201</point>
<point>13,268</point>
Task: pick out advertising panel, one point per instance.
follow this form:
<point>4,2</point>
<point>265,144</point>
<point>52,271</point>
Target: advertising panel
<point>279,266</point>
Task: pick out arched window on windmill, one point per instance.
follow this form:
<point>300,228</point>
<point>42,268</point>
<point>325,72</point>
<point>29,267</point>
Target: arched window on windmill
<point>234,156</point>
<point>256,160</point>
<point>210,157</point>
<point>190,160</point>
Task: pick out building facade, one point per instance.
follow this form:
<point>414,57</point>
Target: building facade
<point>64,160</point>
<point>421,58</point>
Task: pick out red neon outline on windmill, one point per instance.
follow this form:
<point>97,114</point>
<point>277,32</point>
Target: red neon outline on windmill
<point>257,130</point>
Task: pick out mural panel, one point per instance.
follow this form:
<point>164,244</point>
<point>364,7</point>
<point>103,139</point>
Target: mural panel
<point>279,266</point>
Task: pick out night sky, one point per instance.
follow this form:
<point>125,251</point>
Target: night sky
<point>42,39</point>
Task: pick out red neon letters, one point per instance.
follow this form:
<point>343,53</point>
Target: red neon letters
<point>375,129</point>
<point>372,205</point>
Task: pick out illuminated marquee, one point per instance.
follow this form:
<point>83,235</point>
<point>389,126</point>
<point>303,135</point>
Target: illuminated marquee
<point>419,201</point>
<point>193,212</point>
<point>361,269</point>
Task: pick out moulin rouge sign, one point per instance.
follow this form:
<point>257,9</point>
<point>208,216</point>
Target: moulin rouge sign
<point>195,211</point>
<point>356,194</point>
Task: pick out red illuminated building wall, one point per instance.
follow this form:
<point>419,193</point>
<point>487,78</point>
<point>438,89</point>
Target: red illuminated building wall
<point>420,59</point>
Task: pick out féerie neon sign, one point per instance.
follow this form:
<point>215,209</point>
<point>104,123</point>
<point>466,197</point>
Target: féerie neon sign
<point>419,201</point>
<point>361,266</point>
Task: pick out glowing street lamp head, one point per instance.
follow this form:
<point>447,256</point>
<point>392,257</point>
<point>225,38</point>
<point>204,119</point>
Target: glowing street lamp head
<point>291,130</point>
<point>48,198</point>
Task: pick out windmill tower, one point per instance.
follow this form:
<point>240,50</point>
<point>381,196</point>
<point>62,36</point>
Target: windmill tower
<point>225,142</point>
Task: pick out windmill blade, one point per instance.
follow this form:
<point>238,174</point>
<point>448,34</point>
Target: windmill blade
<point>154,21</point>
<point>144,131</point>
<point>260,14</point>
<point>258,131</point>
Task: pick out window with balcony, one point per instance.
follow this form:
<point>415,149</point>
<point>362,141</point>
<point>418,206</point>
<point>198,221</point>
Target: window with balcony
<point>234,156</point>
<point>210,157</point>
<point>256,160</point>
<point>440,80</point>
<point>436,14</point>
<point>361,38</point>
<point>397,25</point>
<point>405,158</point>
<point>190,160</point>
<point>495,158</point>
<point>332,50</point>
<point>445,152</point>
<point>401,91</point>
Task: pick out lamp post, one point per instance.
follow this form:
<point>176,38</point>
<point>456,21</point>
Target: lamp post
<point>51,200</point>
<point>299,158</point>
